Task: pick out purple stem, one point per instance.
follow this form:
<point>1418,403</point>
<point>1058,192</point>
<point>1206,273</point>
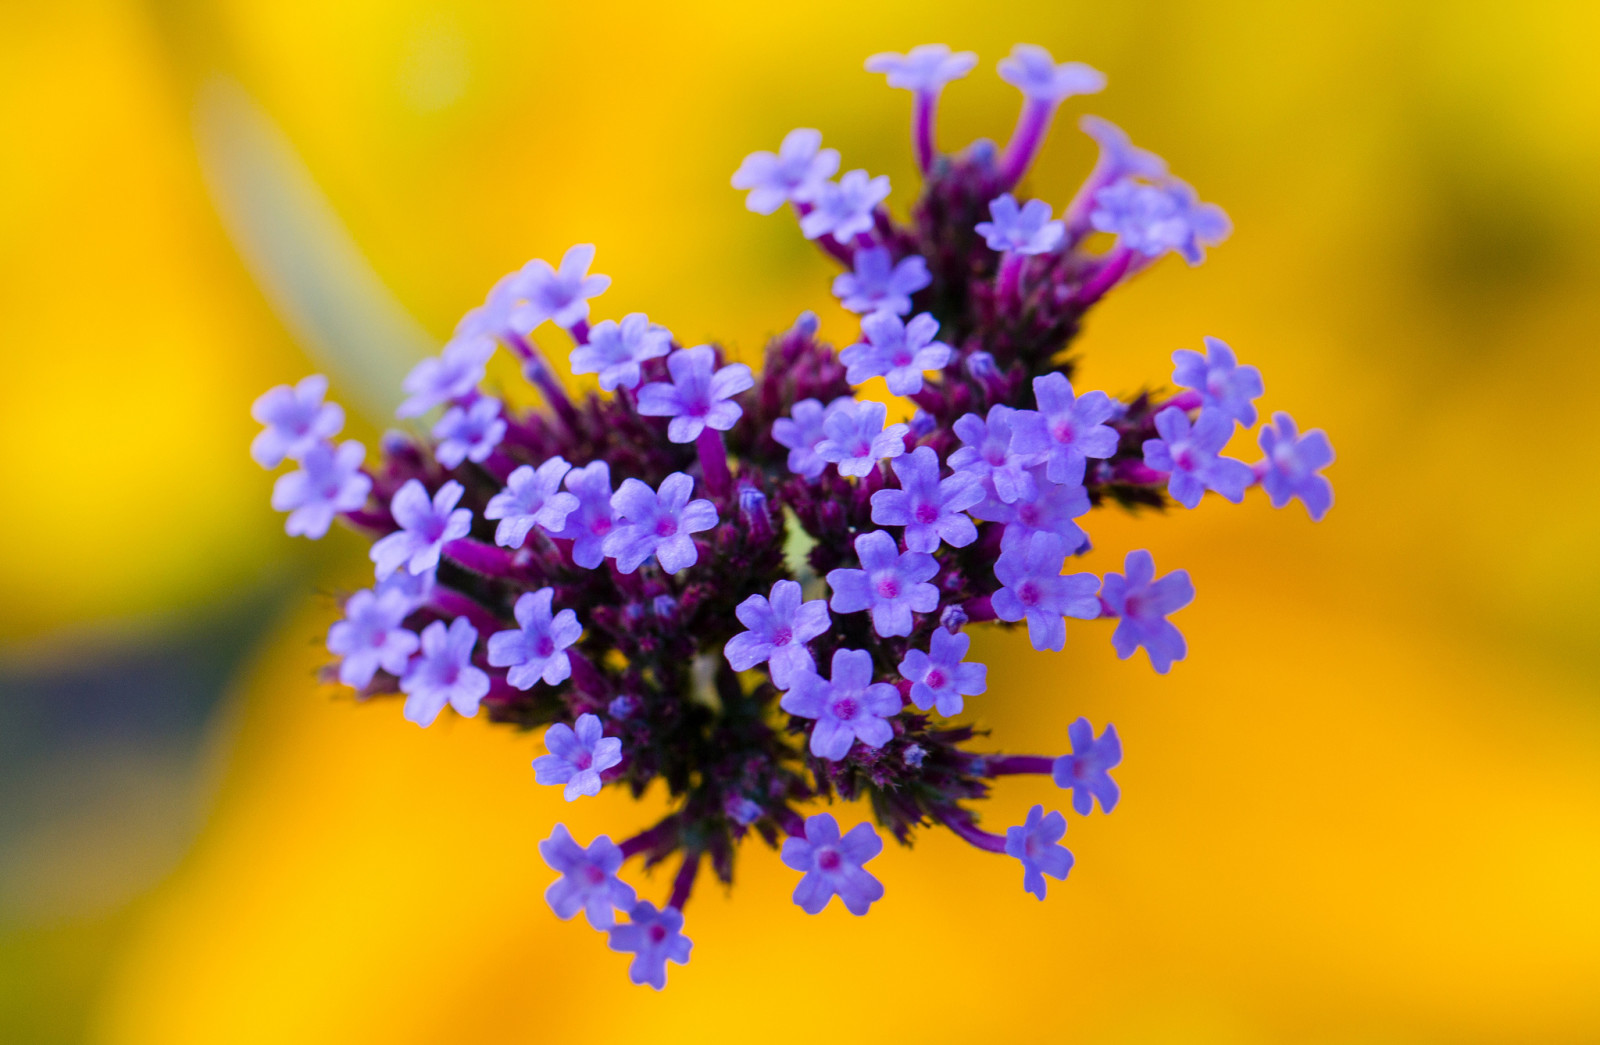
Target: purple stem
<point>714,462</point>
<point>1138,473</point>
<point>922,120</point>
<point>649,838</point>
<point>792,823</point>
<point>1032,124</point>
<point>979,610</point>
<point>973,834</point>
<point>1012,765</point>
<point>448,602</point>
<point>378,522</point>
<point>580,331</point>
<point>1113,269</point>
<point>1076,216</point>
<point>1010,276</point>
<point>683,884</point>
<point>539,374</point>
<point>487,559</point>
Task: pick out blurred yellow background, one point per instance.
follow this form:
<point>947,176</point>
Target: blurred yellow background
<point>1366,809</point>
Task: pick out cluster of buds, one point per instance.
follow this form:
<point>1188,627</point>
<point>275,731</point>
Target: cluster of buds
<point>756,589</point>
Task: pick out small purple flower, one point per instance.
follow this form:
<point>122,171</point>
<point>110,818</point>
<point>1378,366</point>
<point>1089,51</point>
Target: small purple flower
<point>795,172</point>
<point>856,439</point>
<point>1290,468</point>
<point>845,207</point>
<point>831,865</point>
<point>591,522</point>
<point>444,674</point>
<point>928,507</point>
<point>532,497</point>
<point>1036,844</point>
<point>1031,70</point>
<point>452,374</point>
<point>879,285</point>
<point>657,524</point>
<point>329,481</point>
<point>297,419</point>
<point>1025,230</point>
<point>1035,589</point>
<point>1221,381</point>
<point>563,294</point>
<point>588,881</point>
<point>1067,429</point>
<point>925,69</point>
<point>1193,456</point>
<point>1153,219</point>
<point>653,939</point>
<point>1087,771</point>
<point>1143,603</point>
<point>469,434</point>
<point>615,350</point>
<point>779,629</point>
<point>537,648</point>
<point>989,454</point>
<point>940,678</point>
<point>697,398</point>
<point>425,528</point>
<point>890,583</point>
<point>803,430</point>
<point>1119,157</point>
<point>577,756</point>
<point>897,351</point>
<point>1051,509</point>
<point>371,636</point>
<point>414,589</point>
<point>847,708</point>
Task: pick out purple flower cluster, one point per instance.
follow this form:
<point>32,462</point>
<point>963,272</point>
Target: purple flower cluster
<point>757,590</point>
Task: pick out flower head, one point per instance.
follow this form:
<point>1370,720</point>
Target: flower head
<point>615,350</point>
<point>588,881</point>
<point>848,707</point>
<point>803,431</point>
<point>657,523</point>
<point>1031,70</point>
<point>844,208</point>
<point>1290,468</point>
<point>1036,844</point>
<point>453,374</point>
<point>897,351</point>
<point>891,584</point>
<point>469,434</point>
<point>425,528</point>
<point>940,677</point>
<point>928,507</point>
<point>329,481</point>
<point>880,285</point>
<point>1035,590</point>
<point>562,294</point>
<point>592,521</point>
<point>1143,603</point>
<point>699,396</point>
<point>777,630</point>
<point>532,496</point>
<point>989,454</point>
<point>372,636</point>
<point>925,69</point>
<point>578,755</point>
<point>1087,771</point>
<point>832,865</point>
<point>1153,219</point>
<point>795,172</point>
<point>1192,454</point>
<point>1052,509</point>
<point>297,419</point>
<point>856,439</point>
<point>536,648</point>
<point>654,938</point>
<point>1024,230</point>
<point>444,673</point>
<point>1224,384</point>
<point>1067,429</point>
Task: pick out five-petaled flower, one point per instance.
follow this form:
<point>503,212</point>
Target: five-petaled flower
<point>425,528</point>
<point>1035,590</point>
<point>562,294</point>
<point>831,865</point>
<point>897,351</point>
<point>928,507</point>
<point>536,648</point>
<point>778,630</point>
<point>588,881</point>
<point>1067,429</point>
<point>844,208</point>
<point>891,584</point>
<point>297,419</point>
<point>795,172</point>
<point>855,439</point>
<point>1142,603</point>
<point>988,453</point>
<point>926,68</point>
<point>1024,230</point>
<point>847,707</point>
<point>1052,508</point>
<point>615,350</point>
<point>1193,456</point>
<point>1087,771</point>
<point>578,755</point>
<point>329,481</point>
<point>1222,383</point>
<point>803,431</point>
<point>940,677</point>
<point>1153,219</point>
<point>592,521</point>
<point>653,938</point>
<point>444,673</point>
<point>372,636</point>
<point>700,395</point>
<point>1036,842</point>
<point>878,284</point>
<point>1290,468</point>
<point>453,374</point>
<point>532,497</point>
<point>469,433</point>
<point>1031,69</point>
<point>659,523</point>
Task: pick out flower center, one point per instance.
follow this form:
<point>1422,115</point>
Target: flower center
<point>926,513</point>
<point>1028,593</point>
<point>935,679</point>
<point>583,761</point>
<point>844,709</point>
<point>544,647</point>
<point>1028,515</point>
<point>782,637</point>
<point>888,587</point>
<point>829,860</point>
<point>666,526</point>
<point>1186,459</point>
<point>600,527</point>
<point>657,933</point>
<point>593,874</point>
<point>1062,432</point>
<point>901,358</point>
